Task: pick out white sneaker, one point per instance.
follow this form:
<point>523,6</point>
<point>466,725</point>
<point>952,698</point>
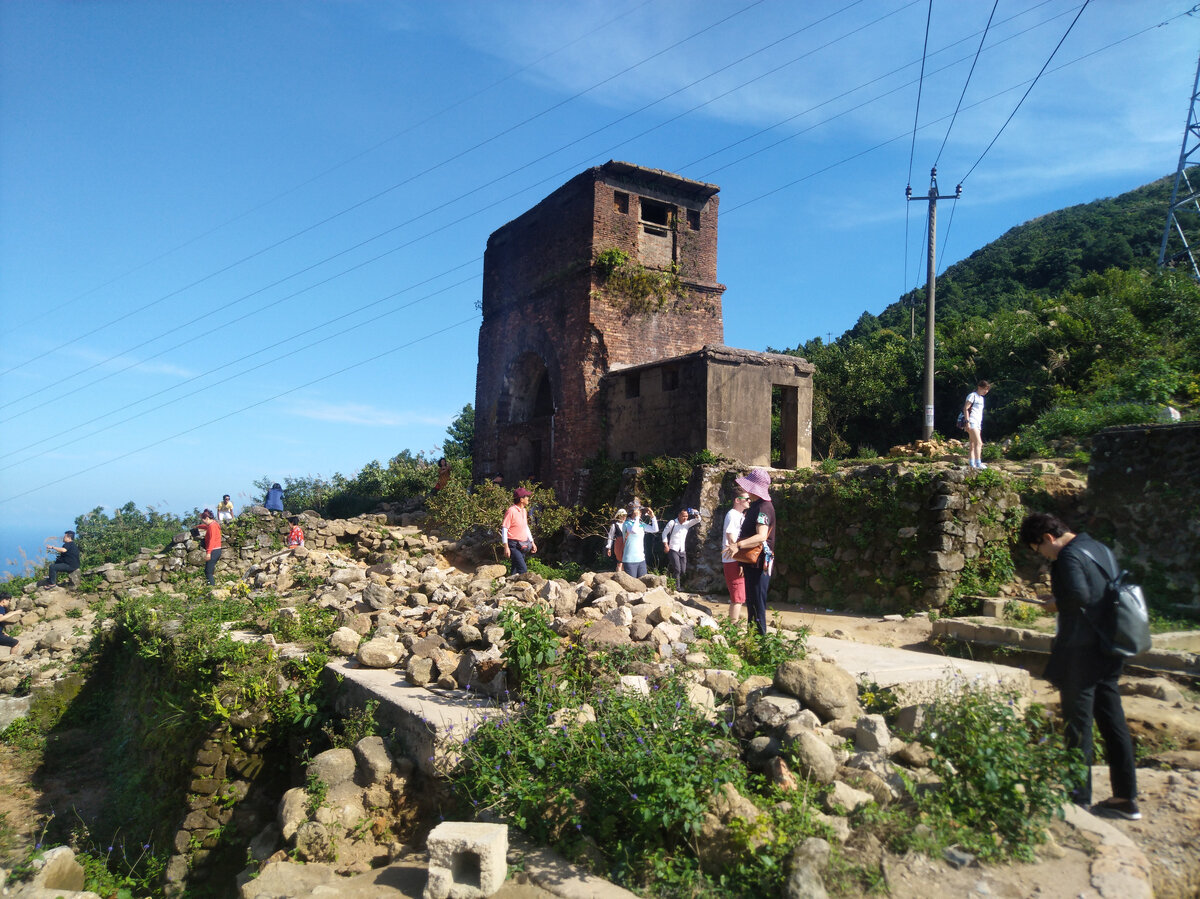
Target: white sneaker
<point>981,465</point>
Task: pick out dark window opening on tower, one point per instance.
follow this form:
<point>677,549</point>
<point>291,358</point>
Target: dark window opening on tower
<point>633,385</point>
<point>621,202</point>
<point>656,216</point>
<point>670,379</point>
<point>693,217</point>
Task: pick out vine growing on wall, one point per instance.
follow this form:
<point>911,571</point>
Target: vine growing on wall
<point>632,287</point>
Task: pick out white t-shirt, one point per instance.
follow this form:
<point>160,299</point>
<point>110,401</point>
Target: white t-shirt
<point>975,416</point>
<point>733,527</point>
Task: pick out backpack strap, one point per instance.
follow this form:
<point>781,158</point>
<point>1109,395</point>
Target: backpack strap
<point>1111,572</point>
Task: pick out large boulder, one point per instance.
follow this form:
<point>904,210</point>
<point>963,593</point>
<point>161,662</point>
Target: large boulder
<point>825,687</point>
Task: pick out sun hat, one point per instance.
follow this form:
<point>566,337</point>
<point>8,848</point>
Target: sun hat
<point>521,492</point>
<point>757,483</point>
<point>620,513</point>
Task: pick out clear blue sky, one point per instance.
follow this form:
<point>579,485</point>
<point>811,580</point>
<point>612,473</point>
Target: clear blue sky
<point>244,238</point>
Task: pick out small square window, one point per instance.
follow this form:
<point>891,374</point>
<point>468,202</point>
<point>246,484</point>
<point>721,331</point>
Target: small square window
<point>633,385</point>
<point>693,217</point>
<point>621,202</point>
<point>670,379</point>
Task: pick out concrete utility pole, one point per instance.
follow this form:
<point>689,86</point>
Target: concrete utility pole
<point>930,296</point>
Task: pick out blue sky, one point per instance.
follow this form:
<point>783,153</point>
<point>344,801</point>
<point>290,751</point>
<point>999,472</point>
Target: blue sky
<point>245,238</point>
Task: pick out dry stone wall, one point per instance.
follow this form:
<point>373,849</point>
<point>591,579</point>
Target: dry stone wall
<point>1144,483</point>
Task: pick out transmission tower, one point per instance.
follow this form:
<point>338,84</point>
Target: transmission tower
<point>1183,214</point>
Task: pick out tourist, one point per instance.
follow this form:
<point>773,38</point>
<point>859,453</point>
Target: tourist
<point>633,558</point>
<point>674,537</point>
<point>514,532</point>
<point>1086,676</point>
<point>8,617</point>
<point>225,509</point>
<point>615,546</point>
<point>734,580</point>
<point>973,413</point>
<point>211,541</point>
<point>67,560</point>
<point>295,536</point>
<point>274,500</point>
<point>758,529</point>
<point>443,477</point>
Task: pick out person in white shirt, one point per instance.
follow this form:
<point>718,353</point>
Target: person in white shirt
<point>973,413</point>
<point>674,537</point>
<point>733,570</point>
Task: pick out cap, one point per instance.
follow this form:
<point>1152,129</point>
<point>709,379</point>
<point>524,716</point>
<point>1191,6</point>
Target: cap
<point>521,492</point>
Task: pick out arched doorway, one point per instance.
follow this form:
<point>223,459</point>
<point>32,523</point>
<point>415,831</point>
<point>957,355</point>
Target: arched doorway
<point>526,411</point>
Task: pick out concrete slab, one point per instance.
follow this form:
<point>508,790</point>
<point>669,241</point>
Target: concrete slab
<point>917,676</point>
<point>427,722</point>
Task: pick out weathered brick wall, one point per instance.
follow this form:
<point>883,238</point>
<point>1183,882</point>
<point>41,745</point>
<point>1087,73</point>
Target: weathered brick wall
<point>1144,485</point>
<point>541,296</point>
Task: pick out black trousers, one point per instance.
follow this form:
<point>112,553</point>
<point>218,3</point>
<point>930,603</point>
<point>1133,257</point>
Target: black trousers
<point>55,568</point>
<point>211,566</point>
<point>1089,690</point>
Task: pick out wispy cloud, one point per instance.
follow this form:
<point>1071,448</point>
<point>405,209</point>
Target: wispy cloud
<point>363,414</point>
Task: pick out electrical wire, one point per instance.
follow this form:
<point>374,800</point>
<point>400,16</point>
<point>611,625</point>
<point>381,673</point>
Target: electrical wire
<point>66,476</point>
<point>920,84</point>
<point>406,181</point>
<point>1026,94</point>
<point>333,168</point>
<point>978,50</point>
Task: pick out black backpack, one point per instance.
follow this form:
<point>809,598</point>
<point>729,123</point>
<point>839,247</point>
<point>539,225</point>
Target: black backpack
<point>1124,627</point>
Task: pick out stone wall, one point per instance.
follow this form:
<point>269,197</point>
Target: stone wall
<point>885,538</point>
<point>1144,484</point>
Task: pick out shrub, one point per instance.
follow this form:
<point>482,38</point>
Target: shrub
<point>1003,774</point>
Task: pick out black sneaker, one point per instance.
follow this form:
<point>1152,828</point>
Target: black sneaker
<point>1118,808</point>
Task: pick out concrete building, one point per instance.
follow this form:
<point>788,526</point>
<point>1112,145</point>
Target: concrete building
<point>602,332</point>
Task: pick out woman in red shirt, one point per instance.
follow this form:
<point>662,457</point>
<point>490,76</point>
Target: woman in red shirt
<point>212,544</point>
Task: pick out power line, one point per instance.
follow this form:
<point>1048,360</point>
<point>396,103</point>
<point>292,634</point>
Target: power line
<point>217,309</point>
<point>76,473</point>
<point>920,85</point>
<point>950,127</point>
<point>428,170</point>
<point>335,167</point>
<point>1026,94</point>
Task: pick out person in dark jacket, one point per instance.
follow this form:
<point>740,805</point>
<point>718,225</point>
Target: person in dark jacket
<point>67,561</point>
<point>1086,676</point>
<point>274,501</point>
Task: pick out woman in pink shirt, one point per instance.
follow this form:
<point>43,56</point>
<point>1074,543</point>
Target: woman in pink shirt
<point>515,533</point>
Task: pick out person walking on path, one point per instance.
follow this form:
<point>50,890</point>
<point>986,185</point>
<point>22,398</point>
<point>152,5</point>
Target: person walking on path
<point>1085,675</point>
<point>758,529</point>
<point>733,570</point>
<point>67,560</point>
<point>674,538</point>
<point>211,541</point>
<point>973,413</point>
<point>515,533</point>
<point>634,556</point>
<point>274,500</point>
<point>225,509</point>
<point>615,547</point>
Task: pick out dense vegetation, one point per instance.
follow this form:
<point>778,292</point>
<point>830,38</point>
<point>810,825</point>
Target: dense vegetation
<point>1066,317</point>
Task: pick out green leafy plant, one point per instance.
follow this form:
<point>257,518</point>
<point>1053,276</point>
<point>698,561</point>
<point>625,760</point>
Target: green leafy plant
<point>1004,772</point>
<point>531,643</point>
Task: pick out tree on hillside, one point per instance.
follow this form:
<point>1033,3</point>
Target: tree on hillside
<point>460,444</point>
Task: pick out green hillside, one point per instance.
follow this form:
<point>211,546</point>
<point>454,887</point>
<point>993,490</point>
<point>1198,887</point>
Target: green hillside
<point>1066,315</point>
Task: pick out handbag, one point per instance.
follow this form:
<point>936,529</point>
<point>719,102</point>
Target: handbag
<point>750,555</point>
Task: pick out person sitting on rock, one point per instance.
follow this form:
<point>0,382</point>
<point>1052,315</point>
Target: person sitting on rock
<point>7,617</point>
<point>274,500</point>
<point>295,535</point>
<point>67,561</point>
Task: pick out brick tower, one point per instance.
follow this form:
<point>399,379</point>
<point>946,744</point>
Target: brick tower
<point>616,268</point>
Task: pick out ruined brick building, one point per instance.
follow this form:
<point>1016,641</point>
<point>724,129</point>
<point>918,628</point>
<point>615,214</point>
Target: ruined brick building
<point>602,332</point>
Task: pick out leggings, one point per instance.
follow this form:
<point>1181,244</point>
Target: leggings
<point>211,566</point>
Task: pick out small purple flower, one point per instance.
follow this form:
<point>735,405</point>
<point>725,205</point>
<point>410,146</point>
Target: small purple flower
<point>641,742</point>
<point>633,796</point>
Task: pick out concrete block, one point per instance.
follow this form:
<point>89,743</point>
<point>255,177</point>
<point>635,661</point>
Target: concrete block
<point>467,860</point>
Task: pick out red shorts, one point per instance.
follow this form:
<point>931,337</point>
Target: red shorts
<point>735,582</point>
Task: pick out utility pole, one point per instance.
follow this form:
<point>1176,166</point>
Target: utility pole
<point>930,296</point>
<point>1188,202</point>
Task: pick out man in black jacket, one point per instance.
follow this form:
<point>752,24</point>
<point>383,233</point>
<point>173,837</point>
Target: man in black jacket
<point>1086,676</point>
<point>68,558</point>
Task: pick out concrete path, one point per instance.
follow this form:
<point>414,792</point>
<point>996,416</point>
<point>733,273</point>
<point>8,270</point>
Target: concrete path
<point>917,676</point>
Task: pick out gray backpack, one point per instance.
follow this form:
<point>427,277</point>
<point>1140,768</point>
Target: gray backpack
<point>1124,627</point>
